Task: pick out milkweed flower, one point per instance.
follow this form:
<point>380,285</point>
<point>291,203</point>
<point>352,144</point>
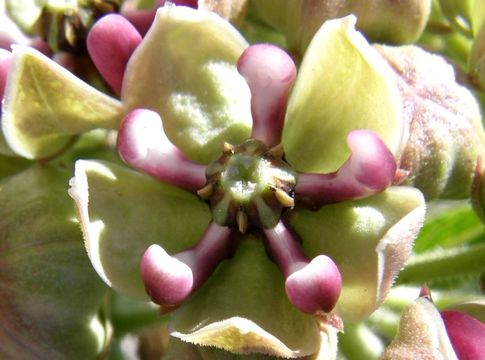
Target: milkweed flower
<point>256,169</point>
<point>207,122</point>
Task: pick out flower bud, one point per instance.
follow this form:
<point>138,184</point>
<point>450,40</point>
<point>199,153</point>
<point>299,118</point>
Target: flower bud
<point>421,334</point>
<point>380,20</point>
<point>232,10</point>
<point>444,137</point>
<point>466,334</point>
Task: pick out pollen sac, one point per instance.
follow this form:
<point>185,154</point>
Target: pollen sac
<point>249,185</point>
<point>65,26</point>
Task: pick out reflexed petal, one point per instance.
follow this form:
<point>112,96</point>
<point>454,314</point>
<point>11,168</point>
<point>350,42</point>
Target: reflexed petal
<point>185,69</point>
<point>246,310</point>
<point>5,58</point>
<point>270,73</point>
<point>421,335</point>
<point>142,143</point>
<point>311,285</point>
<point>369,240</point>
<point>45,105</point>
<point>370,169</point>
<point>50,294</point>
<point>110,42</point>
<point>355,92</point>
<point>123,212</point>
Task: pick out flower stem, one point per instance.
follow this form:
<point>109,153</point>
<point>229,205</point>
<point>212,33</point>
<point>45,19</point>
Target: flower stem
<point>441,264</point>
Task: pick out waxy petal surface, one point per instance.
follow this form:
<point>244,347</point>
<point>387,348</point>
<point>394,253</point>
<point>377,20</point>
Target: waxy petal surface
<point>331,98</point>
<point>50,295</point>
<point>185,69</point>
<point>45,105</point>
<point>369,240</point>
<point>123,212</point>
<point>246,310</point>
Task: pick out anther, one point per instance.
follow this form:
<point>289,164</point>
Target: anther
<point>206,192</point>
<point>242,221</point>
<point>276,151</point>
<point>283,197</point>
<point>228,148</point>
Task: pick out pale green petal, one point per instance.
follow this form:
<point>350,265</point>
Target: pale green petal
<point>185,69</point>
<point>369,239</point>
<point>51,296</point>
<point>45,105</point>
<point>343,84</point>
<point>25,12</point>
<point>123,212</point>
<point>243,308</point>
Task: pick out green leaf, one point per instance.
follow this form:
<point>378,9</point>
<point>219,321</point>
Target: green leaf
<point>441,264</point>
<point>343,84</point>
<point>123,212</point>
<point>51,296</point>
<point>369,240</point>
<point>45,105</point>
<point>185,69</point>
<point>452,226</point>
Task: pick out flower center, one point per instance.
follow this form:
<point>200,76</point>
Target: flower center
<point>65,25</point>
<point>249,185</point>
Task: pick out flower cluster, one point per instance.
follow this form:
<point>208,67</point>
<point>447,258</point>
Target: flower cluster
<point>259,198</point>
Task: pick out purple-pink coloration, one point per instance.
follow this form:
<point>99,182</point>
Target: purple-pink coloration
<point>467,335</point>
<point>5,58</point>
<point>215,245</point>
<point>270,73</point>
<point>110,42</point>
<point>311,286</point>
<point>169,280</point>
<point>369,169</point>
<point>142,144</point>
<point>315,287</point>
